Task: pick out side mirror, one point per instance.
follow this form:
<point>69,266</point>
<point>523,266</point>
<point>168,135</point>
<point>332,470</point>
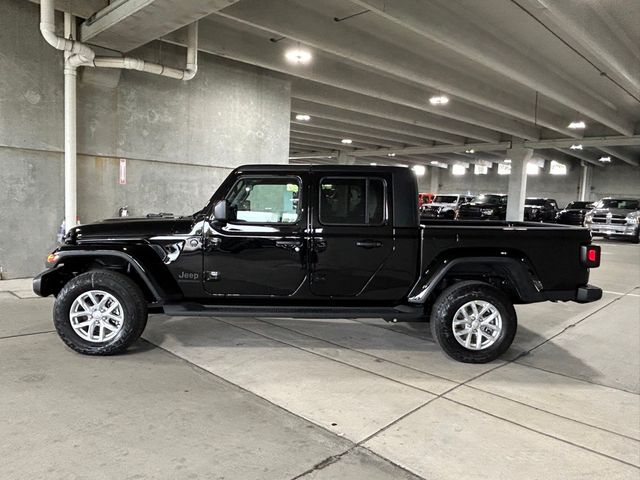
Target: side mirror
<point>221,211</point>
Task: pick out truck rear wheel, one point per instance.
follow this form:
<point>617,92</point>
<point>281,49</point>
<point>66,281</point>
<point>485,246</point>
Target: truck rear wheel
<point>473,322</point>
<point>100,312</point>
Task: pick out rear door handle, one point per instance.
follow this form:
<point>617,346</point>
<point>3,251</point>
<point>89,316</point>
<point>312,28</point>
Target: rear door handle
<point>294,245</point>
<point>368,244</point>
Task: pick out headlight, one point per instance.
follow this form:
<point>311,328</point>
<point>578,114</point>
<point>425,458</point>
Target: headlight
<point>487,211</point>
<point>587,218</point>
<point>632,220</point>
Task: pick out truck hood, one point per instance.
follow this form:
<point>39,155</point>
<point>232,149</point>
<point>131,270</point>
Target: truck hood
<point>132,228</point>
<point>479,205</point>
<point>441,204</point>
<point>614,211</point>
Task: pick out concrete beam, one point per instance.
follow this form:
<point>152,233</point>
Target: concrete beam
<point>338,135</point>
<point>487,147</point>
<point>508,58</point>
<point>372,105</point>
<point>129,24</point>
<point>625,157</point>
<point>328,141</point>
<point>607,141</point>
<point>581,156</point>
<point>327,112</point>
<point>81,9</point>
<point>327,126</point>
<point>301,24</point>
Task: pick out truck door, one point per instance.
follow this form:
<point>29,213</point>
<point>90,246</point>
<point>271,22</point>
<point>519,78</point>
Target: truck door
<point>260,251</point>
<point>351,234</point>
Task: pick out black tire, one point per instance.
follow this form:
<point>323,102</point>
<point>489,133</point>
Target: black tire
<point>636,238</point>
<point>126,292</point>
<point>450,301</point>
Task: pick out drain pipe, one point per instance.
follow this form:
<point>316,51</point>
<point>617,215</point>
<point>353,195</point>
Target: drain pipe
<point>78,54</point>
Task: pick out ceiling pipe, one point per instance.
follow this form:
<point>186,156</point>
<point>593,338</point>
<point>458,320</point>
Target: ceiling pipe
<point>78,54</point>
<point>83,55</point>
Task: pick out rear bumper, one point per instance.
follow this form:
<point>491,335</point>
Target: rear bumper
<point>584,294</point>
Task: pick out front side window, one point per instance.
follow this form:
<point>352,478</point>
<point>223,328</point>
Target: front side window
<point>265,200</point>
<point>352,201</point>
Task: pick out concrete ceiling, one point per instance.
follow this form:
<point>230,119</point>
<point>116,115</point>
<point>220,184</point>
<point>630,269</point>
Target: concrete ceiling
<point>513,70</point>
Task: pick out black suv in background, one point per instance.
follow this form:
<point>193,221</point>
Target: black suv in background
<point>443,206</point>
<point>573,213</point>
<point>489,206</point>
<point>540,209</point>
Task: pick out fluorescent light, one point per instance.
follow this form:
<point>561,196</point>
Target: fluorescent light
<point>391,154</point>
<point>532,168</point>
<point>471,150</point>
<point>557,168</point>
<point>373,164</point>
<point>298,55</point>
<point>419,170</point>
<point>346,141</point>
<point>458,169</point>
<point>576,147</point>
<point>605,159</point>
<point>504,169</point>
<point>577,125</point>
<point>303,117</point>
<point>439,100</point>
<point>507,160</point>
<point>480,170</point>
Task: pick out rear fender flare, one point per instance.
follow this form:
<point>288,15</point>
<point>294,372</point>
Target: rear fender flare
<point>517,272</point>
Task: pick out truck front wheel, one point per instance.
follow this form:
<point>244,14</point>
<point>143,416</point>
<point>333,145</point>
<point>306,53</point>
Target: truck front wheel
<point>100,312</point>
<point>473,322</point>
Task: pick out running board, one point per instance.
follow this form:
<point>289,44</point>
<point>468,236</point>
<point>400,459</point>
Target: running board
<point>400,313</point>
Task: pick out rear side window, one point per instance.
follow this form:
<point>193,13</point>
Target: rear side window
<point>352,201</point>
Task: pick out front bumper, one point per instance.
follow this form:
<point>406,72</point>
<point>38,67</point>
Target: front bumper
<point>613,229</point>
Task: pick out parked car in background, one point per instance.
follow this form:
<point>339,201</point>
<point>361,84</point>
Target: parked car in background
<point>540,209</point>
<point>488,206</point>
<point>444,206</point>
<point>573,213</point>
<point>425,198</point>
<point>615,217</point>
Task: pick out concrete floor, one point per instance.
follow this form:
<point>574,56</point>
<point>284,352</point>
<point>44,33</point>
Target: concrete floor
<point>328,399</point>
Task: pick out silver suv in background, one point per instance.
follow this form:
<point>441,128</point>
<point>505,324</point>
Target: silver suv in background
<point>615,217</point>
<point>443,206</point>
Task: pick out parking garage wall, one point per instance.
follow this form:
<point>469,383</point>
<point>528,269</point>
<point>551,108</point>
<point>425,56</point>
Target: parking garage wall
<point>179,139</point>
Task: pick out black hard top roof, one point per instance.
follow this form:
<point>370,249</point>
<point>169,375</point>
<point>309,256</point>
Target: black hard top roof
<point>280,167</point>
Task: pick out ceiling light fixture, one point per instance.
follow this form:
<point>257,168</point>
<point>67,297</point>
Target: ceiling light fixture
<point>507,160</point>
<point>298,55</point>
<point>303,117</point>
<point>439,100</point>
<point>373,164</point>
<point>576,147</point>
<point>347,141</point>
<point>470,150</point>
<point>391,154</point>
<point>605,159</point>
<point>579,125</point>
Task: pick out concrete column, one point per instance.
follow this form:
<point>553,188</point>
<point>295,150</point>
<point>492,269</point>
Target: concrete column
<point>345,159</point>
<point>517,182</point>
<point>434,179</point>
<point>585,182</point>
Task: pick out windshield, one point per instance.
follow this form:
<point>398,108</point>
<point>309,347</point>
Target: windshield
<point>578,205</point>
<point>492,199</point>
<point>445,199</point>
<point>535,201</point>
<point>614,203</point>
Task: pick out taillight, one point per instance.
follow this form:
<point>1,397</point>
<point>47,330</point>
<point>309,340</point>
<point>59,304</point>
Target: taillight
<point>590,256</point>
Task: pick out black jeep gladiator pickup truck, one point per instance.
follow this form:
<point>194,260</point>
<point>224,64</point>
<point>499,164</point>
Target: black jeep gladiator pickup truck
<point>314,241</point>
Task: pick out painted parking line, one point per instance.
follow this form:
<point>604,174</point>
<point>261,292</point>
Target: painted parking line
<point>622,294</point>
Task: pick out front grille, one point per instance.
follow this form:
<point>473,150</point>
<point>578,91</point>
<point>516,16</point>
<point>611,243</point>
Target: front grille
<point>615,220</point>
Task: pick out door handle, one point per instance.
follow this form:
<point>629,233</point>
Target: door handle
<point>368,244</point>
<point>294,245</point>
